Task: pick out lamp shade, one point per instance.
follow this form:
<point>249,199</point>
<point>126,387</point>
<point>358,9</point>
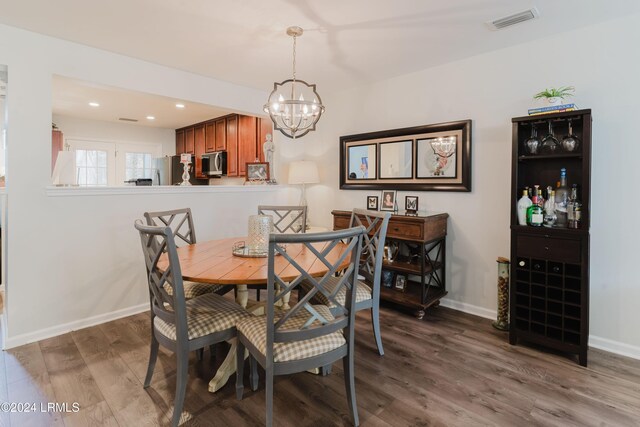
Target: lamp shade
<point>64,171</point>
<point>303,172</point>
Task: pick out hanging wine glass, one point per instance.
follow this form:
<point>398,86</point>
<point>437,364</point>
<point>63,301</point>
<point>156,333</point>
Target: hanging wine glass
<point>532,144</point>
<point>570,143</point>
<point>550,144</point>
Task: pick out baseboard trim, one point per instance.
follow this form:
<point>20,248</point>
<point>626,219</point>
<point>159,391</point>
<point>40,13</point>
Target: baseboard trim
<point>616,347</point>
<point>18,340</point>
<point>468,308</point>
<point>605,344</point>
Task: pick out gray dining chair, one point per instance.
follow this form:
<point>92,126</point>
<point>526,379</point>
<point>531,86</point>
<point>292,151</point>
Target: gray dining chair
<point>306,336</point>
<point>286,219</point>
<point>177,324</point>
<point>368,290</point>
<point>181,223</point>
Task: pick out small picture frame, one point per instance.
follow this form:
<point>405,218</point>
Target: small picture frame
<point>411,205</point>
<point>372,203</point>
<point>388,200</point>
<point>387,278</point>
<point>401,282</point>
<point>257,172</point>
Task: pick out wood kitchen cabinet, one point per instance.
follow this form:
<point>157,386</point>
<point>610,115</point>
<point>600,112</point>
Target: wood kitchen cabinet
<point>247,142</point>
<point>189,141</point>
<point>57,145</point>
<point>221,134</point>
<point>242,137</point>
<point>231,127</point>
<point>210,136</point>
<point>199,149</point>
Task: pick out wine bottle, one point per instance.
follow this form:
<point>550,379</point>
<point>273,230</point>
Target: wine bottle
<point>522,206</point>
<point>535,214</point>
<point>574,208</point>
<point>562,196</point>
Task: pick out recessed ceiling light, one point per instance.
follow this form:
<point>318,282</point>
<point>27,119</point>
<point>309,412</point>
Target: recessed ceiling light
<point>179,105</point>
<point>150,118</point>
<point>94,104</point>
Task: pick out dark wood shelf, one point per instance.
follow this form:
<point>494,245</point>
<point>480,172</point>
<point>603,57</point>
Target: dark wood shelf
<point>410,298</point>
<point>409,268</point>
<point>550,156</point>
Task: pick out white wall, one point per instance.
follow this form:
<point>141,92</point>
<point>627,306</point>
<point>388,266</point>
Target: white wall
<point>77,128</point>
<point>75,260</point>
<point>491,89</point>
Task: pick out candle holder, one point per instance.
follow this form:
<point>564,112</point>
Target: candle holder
<point>260,226</point>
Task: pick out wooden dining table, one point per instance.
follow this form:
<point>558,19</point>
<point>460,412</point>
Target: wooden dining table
<point>213,262</point>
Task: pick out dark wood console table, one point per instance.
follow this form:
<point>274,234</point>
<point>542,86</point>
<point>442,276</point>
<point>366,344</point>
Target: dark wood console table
<point>418,255</point>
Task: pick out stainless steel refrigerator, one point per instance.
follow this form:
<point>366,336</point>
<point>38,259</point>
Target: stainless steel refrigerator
<point>169,172</point>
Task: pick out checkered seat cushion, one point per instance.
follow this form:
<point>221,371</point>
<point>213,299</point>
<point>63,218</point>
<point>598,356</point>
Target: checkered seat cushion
<point>205,315</point>
<point>194,289</point>
<point>363,292</point>
<point>255,330</point>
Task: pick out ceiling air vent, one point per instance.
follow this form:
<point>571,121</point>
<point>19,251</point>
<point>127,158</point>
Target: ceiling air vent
<point>124,119</point>
<point>514,19</point>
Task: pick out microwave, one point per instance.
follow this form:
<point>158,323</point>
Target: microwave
<point>214,164</point>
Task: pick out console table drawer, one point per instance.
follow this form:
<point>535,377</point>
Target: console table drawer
<point>399,230</point>
<point>556,249</point>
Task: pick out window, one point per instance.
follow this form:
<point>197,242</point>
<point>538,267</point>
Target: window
<point>100,163</point>
<point>92,167</point>
<point>138,165</point>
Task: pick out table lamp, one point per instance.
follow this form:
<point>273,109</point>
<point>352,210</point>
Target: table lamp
<point>303,172</point>
<point>64,172</point>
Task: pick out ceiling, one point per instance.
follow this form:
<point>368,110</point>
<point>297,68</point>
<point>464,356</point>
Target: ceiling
<point>345,42</point>
<point>72,97</point>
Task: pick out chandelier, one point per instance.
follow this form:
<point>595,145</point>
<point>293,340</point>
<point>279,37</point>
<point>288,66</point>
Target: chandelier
<point>444,146</point>
<point>294,105</point>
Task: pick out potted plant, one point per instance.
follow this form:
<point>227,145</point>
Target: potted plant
<point>555,96</point>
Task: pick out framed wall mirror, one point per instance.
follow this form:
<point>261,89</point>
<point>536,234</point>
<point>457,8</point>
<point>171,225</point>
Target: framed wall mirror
<point>434,157</point>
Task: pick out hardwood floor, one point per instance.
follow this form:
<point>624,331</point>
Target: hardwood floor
<point>448,369</point>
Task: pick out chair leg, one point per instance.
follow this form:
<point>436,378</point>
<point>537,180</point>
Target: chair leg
<point>253,375</point>
<point>153,357</point>
<point>375,321</point>
<point>239,370</point>
<point>349,382</point>
<point>269,394</point>
<point>181,384</point>
<point>212,351</point>
<point>200,354</point>
<point>326,370</point>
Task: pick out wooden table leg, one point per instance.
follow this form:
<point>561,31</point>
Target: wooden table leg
<point>242,296</point>
<point>229,366</point>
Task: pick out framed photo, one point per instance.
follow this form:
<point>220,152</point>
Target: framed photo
<point>401,282</point>
<point>388,198</point>
<point>372,203</point>
<point>411,204</point>
<point>387,278</point>
<point>257,172</point>
<point>433,157</point>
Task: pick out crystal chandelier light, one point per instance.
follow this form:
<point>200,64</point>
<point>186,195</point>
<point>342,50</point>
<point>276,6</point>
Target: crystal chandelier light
<point>444,146</point>
<point>294,105</point>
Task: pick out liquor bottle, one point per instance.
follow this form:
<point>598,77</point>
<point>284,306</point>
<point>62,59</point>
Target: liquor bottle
<point>522,206</point>
<point>535,214</point>
<point>562,196</point>
<point>550,216</point>
<point>574,208</point>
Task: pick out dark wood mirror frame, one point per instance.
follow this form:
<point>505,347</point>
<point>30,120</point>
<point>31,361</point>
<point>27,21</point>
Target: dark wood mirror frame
<point>459,181</point>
